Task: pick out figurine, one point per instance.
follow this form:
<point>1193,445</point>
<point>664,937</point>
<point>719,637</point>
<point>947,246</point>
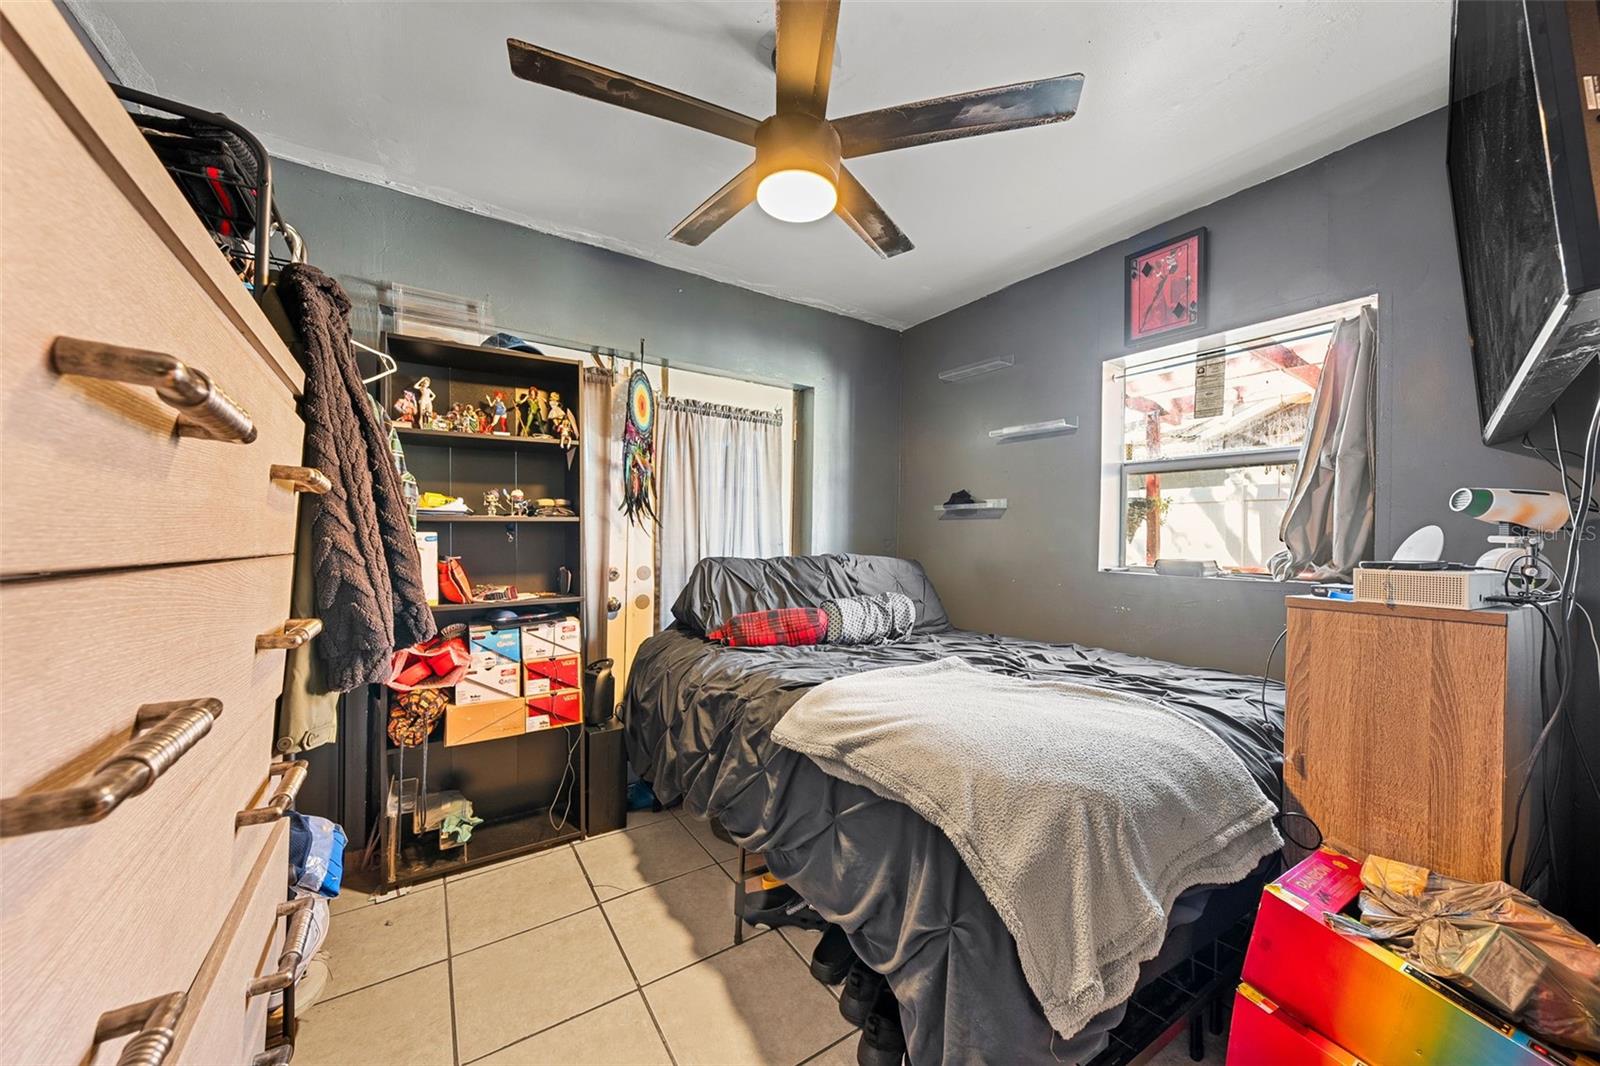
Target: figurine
<point>405,409</point>
<point>562,423</point>
<point>491,503</point>
<point>471,420</point>
<point>533,412</point>
<point>425,413</point>
<point>518,501</point>
<point>497,419</point>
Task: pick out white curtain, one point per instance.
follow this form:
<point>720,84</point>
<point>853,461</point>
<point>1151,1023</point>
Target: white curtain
<point>720,487</point>
<point>600,438</point>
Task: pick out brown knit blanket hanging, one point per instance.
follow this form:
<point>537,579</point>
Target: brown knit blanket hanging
<point>368,576</point>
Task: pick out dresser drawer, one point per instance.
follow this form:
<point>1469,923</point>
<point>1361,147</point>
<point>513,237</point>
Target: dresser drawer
<point>103,915</point>
<point>222,1022</point>
<point>95,476</point>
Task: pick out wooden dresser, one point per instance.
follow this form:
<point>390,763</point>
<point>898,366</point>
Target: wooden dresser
<point>1407,729</point>
<point>145,558</point>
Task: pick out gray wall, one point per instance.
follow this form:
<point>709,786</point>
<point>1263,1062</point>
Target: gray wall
<point>562,289</point>
<point>1374,217</point>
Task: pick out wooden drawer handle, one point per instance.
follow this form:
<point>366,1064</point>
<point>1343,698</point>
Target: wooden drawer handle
<point>163,732</point>
<point>204,410</point>
<point>296,633</point>
<point>282,801</point>
<point>155,1021</point>
<point>303,478</point>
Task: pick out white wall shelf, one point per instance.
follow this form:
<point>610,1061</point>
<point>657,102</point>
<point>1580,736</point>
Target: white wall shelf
<point>974,507</point>
<point>1049,428</point>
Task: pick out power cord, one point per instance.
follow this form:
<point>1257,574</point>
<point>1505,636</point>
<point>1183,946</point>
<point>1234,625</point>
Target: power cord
<point>561,786</point>
<point>1566,600</point>
<point>1284,813</point>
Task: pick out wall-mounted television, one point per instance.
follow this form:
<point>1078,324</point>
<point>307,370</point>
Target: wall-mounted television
<point>1524,162</point>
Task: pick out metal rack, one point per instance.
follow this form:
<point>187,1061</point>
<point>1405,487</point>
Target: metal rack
<point>236,246</point>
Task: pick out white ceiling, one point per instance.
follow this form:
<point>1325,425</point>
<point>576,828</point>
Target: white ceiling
<point>1183,103</point>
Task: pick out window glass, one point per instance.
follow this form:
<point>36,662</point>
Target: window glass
<point>1254,397</point>
<point>1229,515</point>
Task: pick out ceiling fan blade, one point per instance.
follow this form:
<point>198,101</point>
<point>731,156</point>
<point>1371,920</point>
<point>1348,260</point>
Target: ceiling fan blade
<point>540,65</point>
<point>806,32</point>
<point>1009,107</point>
<point>871,223</point>
<point>726,202</point>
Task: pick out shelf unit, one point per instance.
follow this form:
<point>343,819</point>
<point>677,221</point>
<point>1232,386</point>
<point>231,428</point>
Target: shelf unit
<point>514,782</point>
<point>523,605</point>
<point>433,519</point>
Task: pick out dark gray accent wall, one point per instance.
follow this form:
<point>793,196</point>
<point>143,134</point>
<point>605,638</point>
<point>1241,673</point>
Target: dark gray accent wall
<point>1374,217</point>
<point>563,289</point>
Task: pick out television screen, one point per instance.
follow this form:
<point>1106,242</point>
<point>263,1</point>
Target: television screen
<point>1521,231</point>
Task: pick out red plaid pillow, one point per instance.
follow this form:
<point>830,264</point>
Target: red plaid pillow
<point>765,629</point>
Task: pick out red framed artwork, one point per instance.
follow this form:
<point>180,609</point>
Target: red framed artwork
<point>1166,288</point>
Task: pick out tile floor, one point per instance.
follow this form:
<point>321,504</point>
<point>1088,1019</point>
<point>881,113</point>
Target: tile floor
<point>618,949</point>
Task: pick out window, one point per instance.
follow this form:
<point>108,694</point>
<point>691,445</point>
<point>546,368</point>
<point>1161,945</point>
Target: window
<point>1201,441</point>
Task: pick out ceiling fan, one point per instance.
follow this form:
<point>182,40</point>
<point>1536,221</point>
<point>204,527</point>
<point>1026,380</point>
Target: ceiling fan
<point>798,174</point>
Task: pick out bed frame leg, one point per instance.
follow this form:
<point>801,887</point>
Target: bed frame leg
<point>738,902</point>
<point>1216,1012</point>
<point>1197,1037</point>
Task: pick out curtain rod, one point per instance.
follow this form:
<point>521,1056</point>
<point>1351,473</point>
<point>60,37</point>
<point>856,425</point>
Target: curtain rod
<point>1308,332</point>
<point>721,410</point>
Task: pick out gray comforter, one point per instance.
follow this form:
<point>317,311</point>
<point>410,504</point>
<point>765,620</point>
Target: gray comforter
<point>699,718</point>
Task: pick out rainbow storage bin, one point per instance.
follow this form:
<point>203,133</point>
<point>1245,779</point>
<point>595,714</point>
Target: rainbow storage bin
<point>1340,998</point>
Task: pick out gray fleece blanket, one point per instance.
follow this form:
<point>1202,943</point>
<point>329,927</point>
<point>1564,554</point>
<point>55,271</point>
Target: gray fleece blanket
<point>1081,812</point>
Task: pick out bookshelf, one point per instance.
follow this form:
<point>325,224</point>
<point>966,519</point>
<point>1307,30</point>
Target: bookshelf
<point>528,787</point>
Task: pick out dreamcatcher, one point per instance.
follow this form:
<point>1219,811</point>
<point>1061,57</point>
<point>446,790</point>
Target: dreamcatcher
<point>639,451</point>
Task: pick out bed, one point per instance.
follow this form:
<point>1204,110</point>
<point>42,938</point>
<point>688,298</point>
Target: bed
<point>698,718</point>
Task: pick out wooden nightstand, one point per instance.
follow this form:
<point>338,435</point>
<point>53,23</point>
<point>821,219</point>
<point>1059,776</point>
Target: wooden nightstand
<point>1407,729</point>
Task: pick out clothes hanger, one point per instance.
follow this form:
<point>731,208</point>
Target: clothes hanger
<point>386,362</point>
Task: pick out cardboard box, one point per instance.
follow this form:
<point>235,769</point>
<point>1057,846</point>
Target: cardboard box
<point>1262,1034</point>
<point>561,707</point>
<point>495,669</point>
<point>551,640</point>
<point>475,722</point>
<point>563,672</point>
<point>1360,995</point>
<point>428,555</point>
<point>537,722</point>
<point>535,686</point>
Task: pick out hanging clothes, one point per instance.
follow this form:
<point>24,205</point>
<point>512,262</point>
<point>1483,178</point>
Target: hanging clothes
<point>368,578</point>
<point>1328,525</point>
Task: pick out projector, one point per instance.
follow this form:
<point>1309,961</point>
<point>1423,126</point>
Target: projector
<point>1435,585</point>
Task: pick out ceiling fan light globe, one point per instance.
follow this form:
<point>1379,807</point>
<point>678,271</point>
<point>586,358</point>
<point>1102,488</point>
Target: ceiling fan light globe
<point>797,195</point>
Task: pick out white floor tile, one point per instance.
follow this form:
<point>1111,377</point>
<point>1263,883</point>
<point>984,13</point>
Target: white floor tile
<point>755,1003</point>
<point>668,926</point>
<point>841,1054</point>
<point>621,1033</point>
<point>509,899</point>
<point>529,982</point>
<point>622,862</point>
<point>404,1021</point>
<point>373,943</point>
